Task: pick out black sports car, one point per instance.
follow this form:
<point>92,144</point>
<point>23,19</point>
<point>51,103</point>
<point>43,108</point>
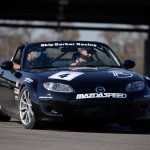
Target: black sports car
<point>73,81</point>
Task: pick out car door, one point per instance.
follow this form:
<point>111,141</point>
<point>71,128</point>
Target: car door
<point>2,89</point>
<point>8,86</point>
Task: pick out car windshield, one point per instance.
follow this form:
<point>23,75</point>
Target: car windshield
<point>64,54</point>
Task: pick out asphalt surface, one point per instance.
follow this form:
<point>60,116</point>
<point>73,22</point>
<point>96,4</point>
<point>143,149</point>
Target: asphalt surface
<point>13,136</point>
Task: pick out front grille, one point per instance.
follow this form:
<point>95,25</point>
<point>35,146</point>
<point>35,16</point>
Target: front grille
<point>96,109</point>
<point>99,102</point>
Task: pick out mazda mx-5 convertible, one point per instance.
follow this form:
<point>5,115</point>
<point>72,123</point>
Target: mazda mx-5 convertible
<point>72,81</point>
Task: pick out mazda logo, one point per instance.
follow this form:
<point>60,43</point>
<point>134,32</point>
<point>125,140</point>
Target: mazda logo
<point>100,89</point>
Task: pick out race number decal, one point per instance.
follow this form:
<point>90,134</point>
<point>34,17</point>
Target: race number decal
<point>65,75</point>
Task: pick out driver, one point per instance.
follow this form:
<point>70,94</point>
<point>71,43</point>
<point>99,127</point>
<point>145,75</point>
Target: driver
<point>37,59</point>
<point>85,56</point>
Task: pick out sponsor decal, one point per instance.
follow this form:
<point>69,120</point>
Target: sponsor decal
<point>16,98</point>
<point>101,95</point>
<point>16,91</point>
<point>17,84</point>
<point>28,80</point>
<point>68,44</point>
<point>121,74</point>
<point>46,96</point>
<point>65,75</point>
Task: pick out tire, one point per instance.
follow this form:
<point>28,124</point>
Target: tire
<point>25,110</point>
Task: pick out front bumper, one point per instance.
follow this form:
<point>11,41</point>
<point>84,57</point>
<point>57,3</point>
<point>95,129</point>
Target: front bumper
<point>115,110</point>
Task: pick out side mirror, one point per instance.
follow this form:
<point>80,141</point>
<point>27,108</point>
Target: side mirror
<point>7,65</point>
<point>128,64</point>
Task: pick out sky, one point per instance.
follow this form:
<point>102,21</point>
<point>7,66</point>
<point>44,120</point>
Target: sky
<point>89,35</point>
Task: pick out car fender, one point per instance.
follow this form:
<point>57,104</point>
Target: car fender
<point>32,89</point>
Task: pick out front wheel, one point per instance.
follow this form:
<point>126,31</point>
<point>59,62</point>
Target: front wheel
<point>25,109</point>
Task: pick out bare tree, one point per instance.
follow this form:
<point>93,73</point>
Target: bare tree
<point>10,38</point>
<point>127,46</point>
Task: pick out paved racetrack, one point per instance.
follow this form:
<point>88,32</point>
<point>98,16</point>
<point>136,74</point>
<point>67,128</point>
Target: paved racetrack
<point>13,136</point>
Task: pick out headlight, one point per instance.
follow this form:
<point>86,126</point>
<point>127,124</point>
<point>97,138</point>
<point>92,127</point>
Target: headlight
<point>135,86</point>
<point>58,87</point>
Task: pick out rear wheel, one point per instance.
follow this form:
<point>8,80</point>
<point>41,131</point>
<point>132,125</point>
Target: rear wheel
<point>25,109</point>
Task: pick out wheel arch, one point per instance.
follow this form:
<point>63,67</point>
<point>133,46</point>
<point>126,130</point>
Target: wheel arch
<point>32,89</point>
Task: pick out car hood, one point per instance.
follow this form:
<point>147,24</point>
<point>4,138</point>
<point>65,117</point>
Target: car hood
<point>89,74</point>
<point>86,80</point>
